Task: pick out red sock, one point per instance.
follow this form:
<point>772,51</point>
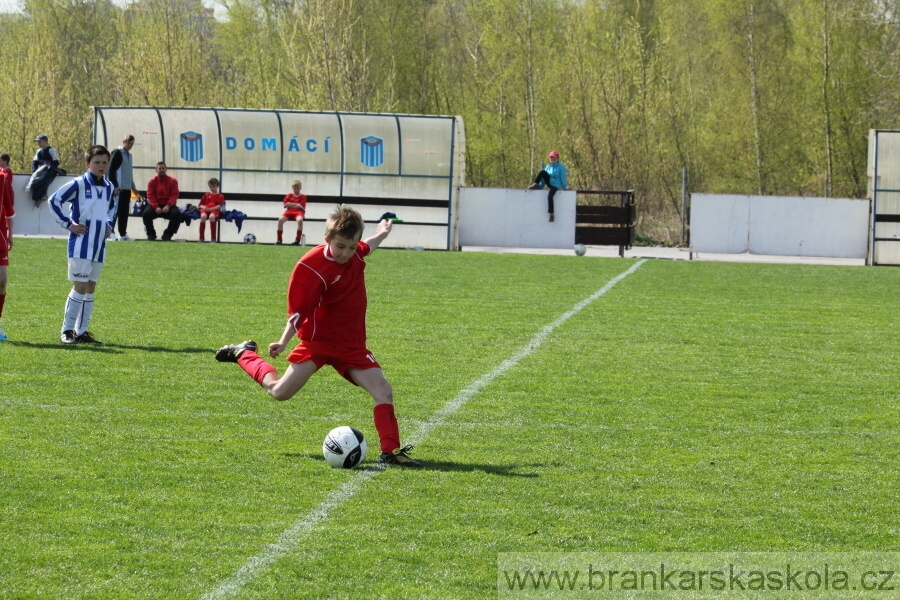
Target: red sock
<point>2,300</point>
<point>255,367</point>
<point>299,233</point>
<point>279,234</point>
<point>386,425</point>
<point>203,229</point>
<point>212,228</point>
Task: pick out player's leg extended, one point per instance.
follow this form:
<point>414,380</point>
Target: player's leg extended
<point>293,380</point>
<point>280,231</point>
<point>281,388</point>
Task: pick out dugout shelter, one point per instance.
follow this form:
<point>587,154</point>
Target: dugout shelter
<point>411,165</point>
<point>884,190</point>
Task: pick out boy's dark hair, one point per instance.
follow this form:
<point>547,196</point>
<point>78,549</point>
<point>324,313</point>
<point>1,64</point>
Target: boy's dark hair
<point>95,151</point>
<point>214,182</point>
<point>345,222</point>
<point>4,157</point>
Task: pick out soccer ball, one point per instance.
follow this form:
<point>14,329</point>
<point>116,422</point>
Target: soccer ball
<point>580,249</point>
<point>344,447</point>
<point>249,239</point>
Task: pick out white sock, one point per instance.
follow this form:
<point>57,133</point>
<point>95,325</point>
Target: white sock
<point>73,310</point>
<point>84,319</point>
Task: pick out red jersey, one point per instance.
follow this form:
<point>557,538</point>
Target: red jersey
<point>327,301</point>
<point>301,200</point>
<point>6,208</point>
<point>9,183</point>
<point>162,191</point>
<point>210,200</point>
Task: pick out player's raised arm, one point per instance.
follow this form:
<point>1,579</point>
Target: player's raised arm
<point>381,232</point>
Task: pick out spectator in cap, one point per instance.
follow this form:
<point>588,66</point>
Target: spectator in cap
<point>554,177</point>
<point>46,155</point>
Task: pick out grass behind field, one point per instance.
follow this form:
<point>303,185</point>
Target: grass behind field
<point>694,407</point>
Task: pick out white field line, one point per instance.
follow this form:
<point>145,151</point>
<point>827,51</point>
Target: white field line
<point>291,537</point>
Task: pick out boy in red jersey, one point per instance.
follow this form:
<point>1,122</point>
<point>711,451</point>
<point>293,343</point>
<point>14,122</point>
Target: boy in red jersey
<point>294,210</point>
<point>326,307</point>
<point>5,170</point>
<point>210,210</point>
<point>6,240</point>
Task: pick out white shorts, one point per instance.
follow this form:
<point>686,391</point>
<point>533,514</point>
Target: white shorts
<point>84,269</point>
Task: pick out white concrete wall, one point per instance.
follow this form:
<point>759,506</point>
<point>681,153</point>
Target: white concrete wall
<point>31,219</point>
<point>507,218</point>
<point>777,225</point>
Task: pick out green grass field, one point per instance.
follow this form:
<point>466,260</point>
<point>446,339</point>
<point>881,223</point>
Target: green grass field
<point>694,407</point>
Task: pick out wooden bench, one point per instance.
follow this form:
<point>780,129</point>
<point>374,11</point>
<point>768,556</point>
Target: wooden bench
<point>605,224</point>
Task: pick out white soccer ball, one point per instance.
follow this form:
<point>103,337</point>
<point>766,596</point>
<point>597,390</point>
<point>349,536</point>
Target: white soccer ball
<point>580,249</point>
<point>249,239</point>
<point>344,447</point>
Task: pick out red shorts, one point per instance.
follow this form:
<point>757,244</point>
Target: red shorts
<point>293,214</point>
<point>341,360</point>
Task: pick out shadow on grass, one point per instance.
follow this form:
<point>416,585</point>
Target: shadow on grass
<point>110,348</point>
<point>441,465</point>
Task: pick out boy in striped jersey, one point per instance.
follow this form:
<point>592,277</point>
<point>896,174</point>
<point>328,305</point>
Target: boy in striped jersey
<point>92,208</point>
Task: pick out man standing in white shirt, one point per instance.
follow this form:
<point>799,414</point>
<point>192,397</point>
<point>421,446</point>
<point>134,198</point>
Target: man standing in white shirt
<point>120,174</point>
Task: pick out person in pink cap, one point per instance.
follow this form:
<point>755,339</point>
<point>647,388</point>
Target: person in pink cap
<point>553,176</point>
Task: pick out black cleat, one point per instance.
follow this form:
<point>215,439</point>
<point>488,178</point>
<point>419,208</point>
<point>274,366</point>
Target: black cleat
<point>87,338</point>
<point>278,242</point>
<point>399,457</point>
<point>295,243</point>
<point>68,337</point>
<point>233,353</point>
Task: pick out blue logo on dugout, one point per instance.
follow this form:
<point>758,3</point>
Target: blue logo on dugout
<point>191,146</point>
<point>371,151</point>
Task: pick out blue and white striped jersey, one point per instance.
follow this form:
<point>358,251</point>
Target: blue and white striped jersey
<point>91,205</point>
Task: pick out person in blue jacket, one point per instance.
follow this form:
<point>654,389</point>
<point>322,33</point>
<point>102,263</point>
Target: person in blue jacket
<point>554,177</point>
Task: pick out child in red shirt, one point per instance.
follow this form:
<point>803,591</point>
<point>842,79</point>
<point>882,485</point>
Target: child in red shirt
<point>326,308</point>
<point>294,210</point>
<point>210,210</point>
<point>6,241</point>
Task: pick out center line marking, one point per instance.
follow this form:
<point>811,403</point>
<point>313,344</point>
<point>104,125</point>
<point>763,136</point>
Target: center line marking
<point>289,539</point>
